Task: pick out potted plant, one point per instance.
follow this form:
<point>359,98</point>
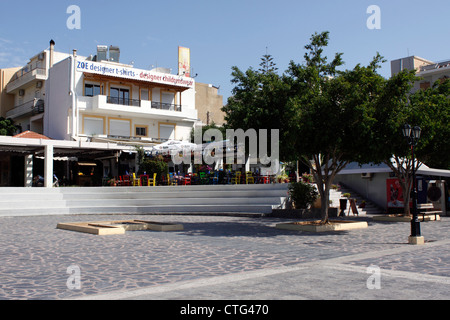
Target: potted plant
<point>362,204</point>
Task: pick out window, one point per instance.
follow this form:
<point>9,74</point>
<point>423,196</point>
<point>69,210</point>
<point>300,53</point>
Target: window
<point>145,94</point>
<point>119,96</point>
<point>166,131</point>
<point>91,90</point>
<point>93,126</point>
<point>119,127</point>
<point>168,97</point>
<point>141,131</point>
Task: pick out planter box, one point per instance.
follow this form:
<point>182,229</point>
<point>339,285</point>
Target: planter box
<point>315,226</point>
<point>102,228</point>
<point>313,213</point>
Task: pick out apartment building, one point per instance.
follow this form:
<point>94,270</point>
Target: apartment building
<point>23,90</point>
<point>428,70</point>
<point>97,98</point>
<point>209,104</point>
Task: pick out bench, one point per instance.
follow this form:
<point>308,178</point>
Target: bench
<point>426,209</point>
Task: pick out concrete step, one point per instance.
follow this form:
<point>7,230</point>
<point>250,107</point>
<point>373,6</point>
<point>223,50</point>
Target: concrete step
<point>166,199</point>
<point>168,209</point>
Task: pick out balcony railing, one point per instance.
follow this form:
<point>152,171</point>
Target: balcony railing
<point>24,76</point>
<point>32,107</point>
<point>166,106</point>
<point>123,101</point>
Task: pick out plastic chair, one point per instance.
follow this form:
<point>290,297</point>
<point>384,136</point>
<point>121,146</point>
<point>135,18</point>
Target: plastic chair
<point>152,181</point>
<point>144,180</point>
<point>187,180</point>
<point>249,177</point>
<point>237,178</point>
<point>126,180</point>
<point>135,182</point>
<point>203,178</point>
<point>170,180</point>
<point>215,178</point>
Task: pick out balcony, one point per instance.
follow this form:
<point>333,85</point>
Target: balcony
<point>25,76</point>
<point>138,108</point>
<point>166,106</point>
<point>29,108</point>
<point>123,101</point>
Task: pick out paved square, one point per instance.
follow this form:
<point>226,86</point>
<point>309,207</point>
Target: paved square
<point>219,257</point>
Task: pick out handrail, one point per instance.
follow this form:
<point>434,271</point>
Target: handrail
<point>166,106</point>
<point>123,101</point>
<point>40,71</point>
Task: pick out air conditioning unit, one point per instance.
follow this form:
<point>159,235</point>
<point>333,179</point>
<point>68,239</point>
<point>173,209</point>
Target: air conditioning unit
<point>39,84</point>
<point>21,92</point>
<point>366,175</point>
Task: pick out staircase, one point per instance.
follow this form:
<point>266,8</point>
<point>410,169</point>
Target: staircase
<point>370,208</point>
<point>258,199</point>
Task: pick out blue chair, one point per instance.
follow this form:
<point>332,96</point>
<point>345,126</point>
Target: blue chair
<point>215,178</point>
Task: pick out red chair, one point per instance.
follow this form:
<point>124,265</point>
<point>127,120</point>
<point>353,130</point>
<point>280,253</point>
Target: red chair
<point>144,180</point>
<point>187,180</point>
<point>126,180</point>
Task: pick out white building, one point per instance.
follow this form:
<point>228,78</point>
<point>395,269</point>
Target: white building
<point>100,99</point>
<point>429,71</point>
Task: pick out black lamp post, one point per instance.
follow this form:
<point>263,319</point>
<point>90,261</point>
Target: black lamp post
<point>413,136</point>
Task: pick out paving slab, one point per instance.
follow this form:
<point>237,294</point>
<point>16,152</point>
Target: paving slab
<point>219,257</point>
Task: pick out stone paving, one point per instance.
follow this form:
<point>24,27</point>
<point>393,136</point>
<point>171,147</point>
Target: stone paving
<point>216,257</point>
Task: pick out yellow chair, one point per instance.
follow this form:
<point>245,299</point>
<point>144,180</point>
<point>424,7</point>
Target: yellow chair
<point>152,181</point>
<point>249,177</point>
<point>171,182</point>
<point>135,182</point>
<point>237,178</point>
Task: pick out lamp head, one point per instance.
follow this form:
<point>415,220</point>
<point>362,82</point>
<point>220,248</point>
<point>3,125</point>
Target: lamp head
<point>406,130</point>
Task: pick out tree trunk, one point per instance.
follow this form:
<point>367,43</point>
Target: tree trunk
<point>324,200</point>
<point>406,190</point>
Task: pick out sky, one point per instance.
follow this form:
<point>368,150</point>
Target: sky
<point>222,34</point>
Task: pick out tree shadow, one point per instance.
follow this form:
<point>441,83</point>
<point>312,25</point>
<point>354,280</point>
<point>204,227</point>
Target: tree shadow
<point>245,229</point>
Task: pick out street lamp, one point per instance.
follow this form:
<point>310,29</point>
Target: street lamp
<point>413,136</point>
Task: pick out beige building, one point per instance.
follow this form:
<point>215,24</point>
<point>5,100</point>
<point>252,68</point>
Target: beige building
<point>428,70</point>
<point>209,104</point>
<point>6,100</point>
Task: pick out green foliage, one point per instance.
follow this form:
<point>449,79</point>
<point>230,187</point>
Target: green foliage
<point>430,110</point>
<point>7,127</point>
<point>302,194</point>
<point>267,65</point>
<point>207,127</point>
<point>154,165</point>
<point>259,101</point>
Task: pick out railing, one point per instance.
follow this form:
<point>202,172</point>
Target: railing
<point>32,107</point>
<point>166,106</point>
<point>23,76</point>
<point>23,72</point>
<point>123,101</point>
<point>438,65</point>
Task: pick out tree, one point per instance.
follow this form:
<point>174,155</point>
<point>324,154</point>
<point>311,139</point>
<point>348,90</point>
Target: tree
<point>428,109</point>
<point>267,65</point>
<point>7,127</point>
<point>332,112</point>
<point>259,101</point>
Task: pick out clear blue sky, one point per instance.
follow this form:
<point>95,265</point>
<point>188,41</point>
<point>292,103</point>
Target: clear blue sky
<point>222,34</point>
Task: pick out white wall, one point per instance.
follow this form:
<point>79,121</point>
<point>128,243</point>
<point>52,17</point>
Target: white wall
<point>373,189</point>
<point>57,102</point>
